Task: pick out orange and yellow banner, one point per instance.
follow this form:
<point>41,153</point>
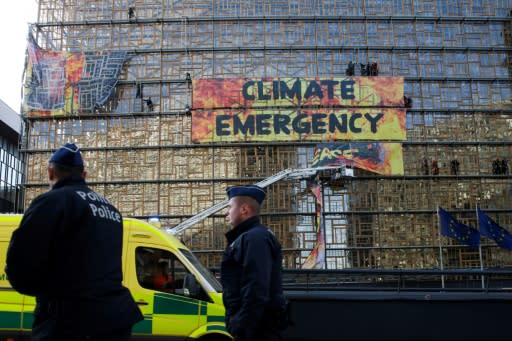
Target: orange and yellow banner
<point>379,157</point>
<point>316,258</point>
<point>298,125</point>
<point>234,93</point>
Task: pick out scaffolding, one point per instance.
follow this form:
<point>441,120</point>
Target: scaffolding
<point>455,60</point>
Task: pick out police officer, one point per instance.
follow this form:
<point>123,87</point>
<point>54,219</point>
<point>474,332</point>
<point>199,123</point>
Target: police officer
<point>251,270</point>
<point>67,253</point>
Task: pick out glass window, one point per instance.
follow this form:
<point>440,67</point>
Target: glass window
<point>160,270</point>
<point>208,276</point>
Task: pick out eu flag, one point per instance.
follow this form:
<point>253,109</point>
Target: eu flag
<point>452,228</point>
<point>489,229</point>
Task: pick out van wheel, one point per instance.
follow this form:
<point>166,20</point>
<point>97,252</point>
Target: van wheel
<point>215,337</point>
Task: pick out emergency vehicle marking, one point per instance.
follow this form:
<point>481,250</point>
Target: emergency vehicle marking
<point>167,304</point>
<point>214,318</point>
<point>145,326</point>
<point>214,322</point>
<point>28,320</point>
<point>220,328</point>
<point>174,305</point>
<point>16,319</point>
<point>10,319</point>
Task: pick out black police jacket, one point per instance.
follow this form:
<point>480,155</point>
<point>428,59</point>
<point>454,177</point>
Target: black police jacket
<point>67,252</point>
<point>251,276</point>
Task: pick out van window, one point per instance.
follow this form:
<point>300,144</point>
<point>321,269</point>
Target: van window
<point>204,271</point>
<point>159,270</point>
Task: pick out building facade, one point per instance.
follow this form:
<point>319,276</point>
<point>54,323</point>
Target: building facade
<point>453,56</point>
<point>11,160</point>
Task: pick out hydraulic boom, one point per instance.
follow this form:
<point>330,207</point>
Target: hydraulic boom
<point>289,173</point>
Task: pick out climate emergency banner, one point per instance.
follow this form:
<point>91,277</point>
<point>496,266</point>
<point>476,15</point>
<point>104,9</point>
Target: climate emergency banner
<point>247,93</point>
<point>298,125</point>
<point>380,157</point>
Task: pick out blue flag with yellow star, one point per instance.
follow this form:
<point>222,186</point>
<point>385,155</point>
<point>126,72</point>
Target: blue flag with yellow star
<point>452,228</point>
<point>489,229</point>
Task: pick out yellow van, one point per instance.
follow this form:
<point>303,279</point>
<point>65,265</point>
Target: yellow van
<point>179,297</point>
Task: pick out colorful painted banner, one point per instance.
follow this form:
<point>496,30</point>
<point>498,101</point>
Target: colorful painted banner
<point>234,93</point>
<point>316,259</point>
<point>379,157</point>
<point>63,83</point>
<point>299,125</point>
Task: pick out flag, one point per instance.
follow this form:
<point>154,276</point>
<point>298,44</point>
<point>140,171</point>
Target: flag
<point>489,229</point>
<point>452,228</point>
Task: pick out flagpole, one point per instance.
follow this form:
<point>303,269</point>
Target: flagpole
<point>440,247</point>
<point>480,249</point>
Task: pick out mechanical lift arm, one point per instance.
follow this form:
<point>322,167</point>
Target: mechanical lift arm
<point>289,173</point>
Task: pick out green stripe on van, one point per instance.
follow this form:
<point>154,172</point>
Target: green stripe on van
<point>221,328</point>
<point>174,305</point>
<point>143,327</point>
<point>212,318</point>
<point>203,308</point>
<point>9,319</point>
<point>28,320</point>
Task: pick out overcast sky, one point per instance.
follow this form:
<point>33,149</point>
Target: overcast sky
<point>14,19</point>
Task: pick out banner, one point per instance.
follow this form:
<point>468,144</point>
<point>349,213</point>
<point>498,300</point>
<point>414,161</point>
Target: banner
<point>233,93</point>
<point>379,157</point>
<point>60,83</point>
<point>316,258</point>
<point>299,125</point>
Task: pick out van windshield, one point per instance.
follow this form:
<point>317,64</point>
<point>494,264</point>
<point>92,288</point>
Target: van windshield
<point>203,270</point>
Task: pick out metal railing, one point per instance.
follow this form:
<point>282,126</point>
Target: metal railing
<point>453,280</point>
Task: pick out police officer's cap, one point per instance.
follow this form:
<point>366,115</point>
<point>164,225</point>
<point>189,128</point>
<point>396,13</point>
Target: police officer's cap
<point>68,155</point>
<point>253,191</point>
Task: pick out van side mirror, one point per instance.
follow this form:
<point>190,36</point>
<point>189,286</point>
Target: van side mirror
<point>190,286</point>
